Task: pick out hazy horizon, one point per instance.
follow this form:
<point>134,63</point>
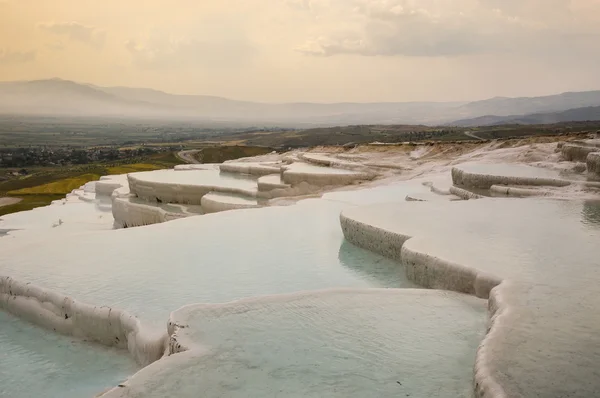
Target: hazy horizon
<point>309,50</point>
<point>466,100</point>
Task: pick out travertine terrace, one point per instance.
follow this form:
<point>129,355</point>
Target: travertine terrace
<point>463,251</point>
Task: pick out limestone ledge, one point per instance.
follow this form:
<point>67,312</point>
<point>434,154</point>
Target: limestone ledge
<point>463,193</point>
<point>271,182</point>
<point>437,189</point>
<point>502,190</point>
<point>204,166</point>
<point>429,197</point>
<point>60,313</point>
<point>593,163</point>
<point>130,212</point>
<point>297,173</point>
<point>593,142</point>
<point>107,187</point>
<point>436,273</point>
<point>153,191</point>
<point>576,152</point>
<point>328,161</point>
<point>217,202</point>
<point>256,169</point>
<point>471,179</point>
<point>556,357</point>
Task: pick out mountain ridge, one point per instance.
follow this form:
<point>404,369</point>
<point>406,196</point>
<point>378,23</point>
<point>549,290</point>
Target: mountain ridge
<point>69,98</point>
<point>588,113</point>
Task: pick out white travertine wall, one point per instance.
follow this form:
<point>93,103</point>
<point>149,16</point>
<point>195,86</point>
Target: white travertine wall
<point>271,182</point>
<point>503,190</point>
<point>593,163</point>
<point>153,191</point>
<point>204,166</point>
<point>576,152</point>
<point>256,169</point>
<point>60,313</point>
<point>293,176</point>
<point>434,273</point>
<point>480,180</point>
<point>541,339</point>
<point>463,193</point>
<point>106,187</point>
<point>328,161</point>
<point>214,203</point>
<point>440,275</point>
<point>129,211</point>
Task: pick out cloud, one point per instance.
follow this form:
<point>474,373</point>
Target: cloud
<point>299,4</point>
<point>432,28</point>
<point>16,57</point>
<point>55,46</point>
<point>75,31</point>
<point>170,53</point>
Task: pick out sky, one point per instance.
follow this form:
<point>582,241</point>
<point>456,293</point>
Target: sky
<point>309,50</point>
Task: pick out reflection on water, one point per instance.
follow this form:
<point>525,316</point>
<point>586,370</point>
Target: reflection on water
<point>381,271</point>
<point>151,271</point>
<point>346,344</point>
<point>35,363</point>
<point>591,213</point>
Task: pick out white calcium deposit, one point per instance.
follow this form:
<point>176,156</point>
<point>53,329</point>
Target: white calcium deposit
<point>62,314</point>
<point>526,256</point>
<point>534,260</point>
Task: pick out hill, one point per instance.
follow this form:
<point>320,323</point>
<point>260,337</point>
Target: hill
<point>588,113</point>
<point>58,97</point>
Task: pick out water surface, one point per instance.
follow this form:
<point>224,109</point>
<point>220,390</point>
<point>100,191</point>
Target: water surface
<point>36,363</point>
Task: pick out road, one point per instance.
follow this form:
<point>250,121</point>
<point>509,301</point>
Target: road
<point>188,156</point>
<point>9,201</point>
<point>472,135</point>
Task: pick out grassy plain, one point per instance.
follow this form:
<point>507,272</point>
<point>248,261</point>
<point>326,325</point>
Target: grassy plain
<point>44,184</point>
<point>219,154</point>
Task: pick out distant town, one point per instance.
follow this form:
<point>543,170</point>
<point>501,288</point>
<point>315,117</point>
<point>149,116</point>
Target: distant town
<point>48,156</point>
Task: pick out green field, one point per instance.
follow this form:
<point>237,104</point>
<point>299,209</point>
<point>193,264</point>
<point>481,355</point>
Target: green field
<point>60,187</point>
<point>44,184</point>
<point>220,154</point>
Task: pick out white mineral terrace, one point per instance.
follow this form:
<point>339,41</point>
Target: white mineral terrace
<point>537,262</point>
<point>157,196</point>
<point>428,295</point>
<point>321,176</point>
<point>187,187</point>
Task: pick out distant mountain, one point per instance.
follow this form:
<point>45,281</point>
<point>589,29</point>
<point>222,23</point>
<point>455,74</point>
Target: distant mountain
<point>502,106</point>
<point>587,113</point>
<point>67,98</point>
<point>64,98</point>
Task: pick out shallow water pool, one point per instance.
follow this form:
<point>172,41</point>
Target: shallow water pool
<point>36,363</point>
<point>151,271</point>
<point>348,343</point>
<point>542,256</point>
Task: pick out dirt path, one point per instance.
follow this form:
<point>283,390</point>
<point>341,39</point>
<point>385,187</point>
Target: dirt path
<point>9,201</point>
<point>188,156</point>
<point>472,135</point>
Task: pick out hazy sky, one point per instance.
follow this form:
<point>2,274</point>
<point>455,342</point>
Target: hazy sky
<point>308,50</point>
